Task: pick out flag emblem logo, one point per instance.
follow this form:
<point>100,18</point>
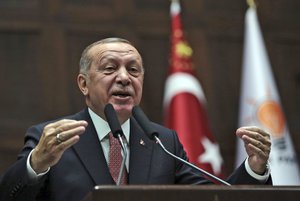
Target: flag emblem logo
<point>270,115</point>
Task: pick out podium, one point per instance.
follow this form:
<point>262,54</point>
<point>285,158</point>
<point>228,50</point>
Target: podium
<point>194,193</point>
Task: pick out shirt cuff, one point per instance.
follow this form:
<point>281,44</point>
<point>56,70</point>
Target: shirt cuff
<point>31,173</point>
<point>262,178</point>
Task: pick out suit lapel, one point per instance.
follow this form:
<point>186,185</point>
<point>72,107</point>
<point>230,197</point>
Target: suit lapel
<point>141,148</point>
<point>91,154</point>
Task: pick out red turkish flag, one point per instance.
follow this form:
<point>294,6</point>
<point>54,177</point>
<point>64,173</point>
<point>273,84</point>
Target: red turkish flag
<point>184,103</point>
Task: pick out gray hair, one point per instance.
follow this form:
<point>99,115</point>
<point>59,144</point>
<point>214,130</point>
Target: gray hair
<point>86,60</point>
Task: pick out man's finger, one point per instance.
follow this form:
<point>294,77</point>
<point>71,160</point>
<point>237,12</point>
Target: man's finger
<point>65,135</point>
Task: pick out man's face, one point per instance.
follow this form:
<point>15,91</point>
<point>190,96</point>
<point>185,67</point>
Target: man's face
<point>116,76</point>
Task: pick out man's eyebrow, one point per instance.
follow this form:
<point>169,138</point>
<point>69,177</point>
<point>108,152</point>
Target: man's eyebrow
<point>135,61</point>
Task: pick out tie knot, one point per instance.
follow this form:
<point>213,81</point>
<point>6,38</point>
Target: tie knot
<point>112,140</point>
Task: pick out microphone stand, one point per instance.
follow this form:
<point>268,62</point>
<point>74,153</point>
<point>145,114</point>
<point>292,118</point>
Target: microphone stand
<point>117,132</point>
<point>190,164</point>
<point>124,148</point>
<point>145,124</point>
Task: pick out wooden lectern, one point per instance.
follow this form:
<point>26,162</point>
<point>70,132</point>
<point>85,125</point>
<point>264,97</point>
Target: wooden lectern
<point>194,193</point>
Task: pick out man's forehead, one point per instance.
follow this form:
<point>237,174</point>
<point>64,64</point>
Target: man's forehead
<point>122,48</point>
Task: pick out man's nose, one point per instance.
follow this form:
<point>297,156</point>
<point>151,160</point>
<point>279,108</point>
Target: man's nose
<point>123,76</point>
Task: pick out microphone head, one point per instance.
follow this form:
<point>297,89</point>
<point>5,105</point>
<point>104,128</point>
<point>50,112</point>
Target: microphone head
<point>144,122</point>
<point>112,120</point>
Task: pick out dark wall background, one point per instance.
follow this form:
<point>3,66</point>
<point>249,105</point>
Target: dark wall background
<point>41,42</point>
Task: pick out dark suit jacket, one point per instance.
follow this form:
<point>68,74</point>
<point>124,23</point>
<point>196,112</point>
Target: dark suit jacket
<point>83,166</point>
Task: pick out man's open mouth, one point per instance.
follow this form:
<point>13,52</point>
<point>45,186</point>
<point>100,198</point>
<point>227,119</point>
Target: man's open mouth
<point>121,94</point>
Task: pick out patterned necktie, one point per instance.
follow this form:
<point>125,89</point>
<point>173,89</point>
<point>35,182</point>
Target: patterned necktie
<point>115,159</point>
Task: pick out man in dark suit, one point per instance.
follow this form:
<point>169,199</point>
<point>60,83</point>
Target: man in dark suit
<point>64,159</point>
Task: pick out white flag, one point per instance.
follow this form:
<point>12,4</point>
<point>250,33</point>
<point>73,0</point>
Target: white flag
<point>260,105</point>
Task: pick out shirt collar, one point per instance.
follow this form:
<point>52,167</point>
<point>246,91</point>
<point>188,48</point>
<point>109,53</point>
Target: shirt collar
<point>102,127</point>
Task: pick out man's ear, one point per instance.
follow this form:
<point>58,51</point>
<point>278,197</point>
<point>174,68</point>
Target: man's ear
<point>82,83</point>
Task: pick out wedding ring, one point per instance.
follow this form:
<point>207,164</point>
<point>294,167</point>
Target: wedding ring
<point>58,138</point>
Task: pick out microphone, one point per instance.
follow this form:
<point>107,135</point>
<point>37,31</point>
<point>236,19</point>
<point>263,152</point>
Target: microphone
<point>145,124</point>
<point>117,132</point>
